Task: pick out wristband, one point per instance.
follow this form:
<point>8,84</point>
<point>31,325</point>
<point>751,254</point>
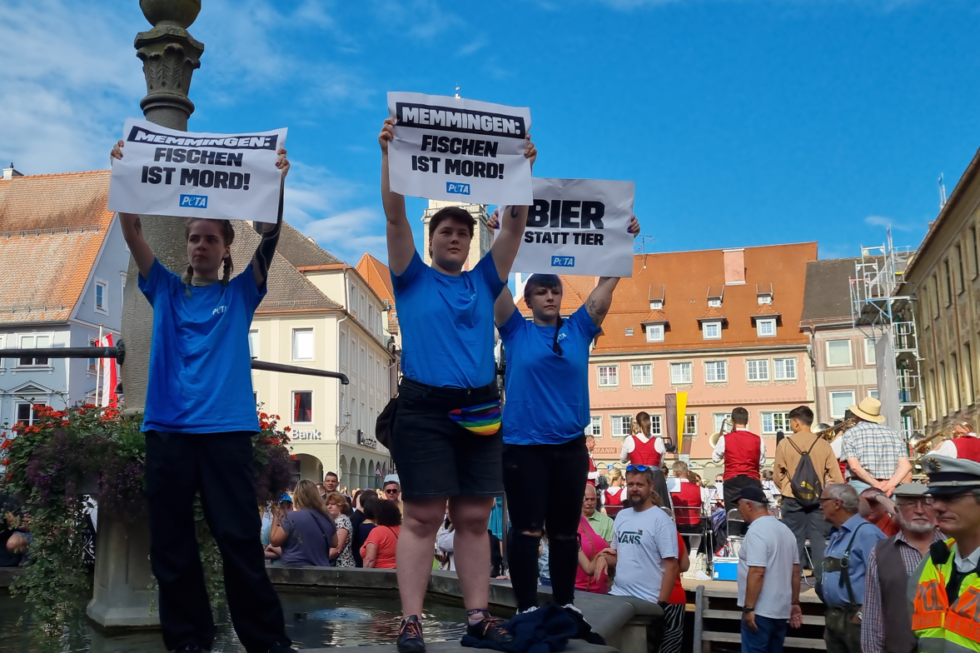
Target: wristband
<point>747,610</point>
<point>663,604</point>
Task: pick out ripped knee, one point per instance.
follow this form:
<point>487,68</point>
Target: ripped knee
<point>532,532</point>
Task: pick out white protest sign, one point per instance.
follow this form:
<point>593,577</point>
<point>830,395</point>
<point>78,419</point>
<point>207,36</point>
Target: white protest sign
<point>459,150</point>
<point>579,227</point>
<point>197,175</point>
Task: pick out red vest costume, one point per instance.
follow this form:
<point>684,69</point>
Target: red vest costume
<point>613,502</point>
<point>592,468</point>
<point>645,453</point>
<point>967,448</point>
<point>742,451</point>
<point>687,503</point>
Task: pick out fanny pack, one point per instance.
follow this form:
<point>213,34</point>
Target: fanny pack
<point>483,419</point>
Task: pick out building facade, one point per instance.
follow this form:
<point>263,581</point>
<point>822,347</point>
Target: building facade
<point>944,278</point>
<point>64,261</point>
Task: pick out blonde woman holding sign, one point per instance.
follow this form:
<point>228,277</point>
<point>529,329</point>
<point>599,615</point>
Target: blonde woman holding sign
<point>445,435</point>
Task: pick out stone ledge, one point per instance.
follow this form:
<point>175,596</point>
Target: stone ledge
<point>8,574</point>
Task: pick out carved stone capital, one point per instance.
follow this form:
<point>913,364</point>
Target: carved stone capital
<point>170,55</point>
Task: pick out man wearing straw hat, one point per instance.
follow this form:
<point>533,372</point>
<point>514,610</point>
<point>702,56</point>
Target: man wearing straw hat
<point>876,454</point>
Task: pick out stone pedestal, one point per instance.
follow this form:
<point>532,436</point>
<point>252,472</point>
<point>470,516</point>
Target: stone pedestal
<point>121,596</point>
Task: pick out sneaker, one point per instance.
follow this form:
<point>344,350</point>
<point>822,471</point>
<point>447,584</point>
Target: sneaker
<point>490,629</point>
<point>410,636</point>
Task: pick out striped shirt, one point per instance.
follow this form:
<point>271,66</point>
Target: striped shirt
<point>872,622</point>
<point>876,447</point>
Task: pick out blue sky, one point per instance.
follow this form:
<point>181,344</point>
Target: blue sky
<point>743,122</point>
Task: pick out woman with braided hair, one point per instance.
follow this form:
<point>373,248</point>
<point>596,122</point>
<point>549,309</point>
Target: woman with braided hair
<point>199,419</point>
<point>546,462</point>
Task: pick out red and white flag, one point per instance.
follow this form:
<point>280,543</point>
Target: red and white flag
<point>108,372</point>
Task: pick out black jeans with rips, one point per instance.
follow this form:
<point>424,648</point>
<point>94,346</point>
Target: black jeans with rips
<point>220,467</point>
<point>545,484</point>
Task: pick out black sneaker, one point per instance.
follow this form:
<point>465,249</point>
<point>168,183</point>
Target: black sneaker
<point>410,636</point>
<point>490,629</point>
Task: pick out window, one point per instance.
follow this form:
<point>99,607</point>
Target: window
<point>691,424</point>
<point>655,333</point>
<point>716,371</point>
<point>931,391</point>
<point>975,267</point>
<point>779,421</point>
<point>838,353</point>
<point>93,362</point>
<point>362,369</point>
<point>944,397</point>
<point>343,349</point>
<point>34,342</point>
<point>253,343</point>
<point>968,358</point>
<point>954,364</point>
<point>27,414</point>
<point>1,359</point>
<point>302,344</point>
<point>873,393</point>
<point>680,373</point>
<point>785,369</point>
<point>656,304</point>
<point>711,330</point>
<point>621,425</point>
<point>642,374</point>
<point>935,296</point>
<point>758,369</point>
<point>608,375</point>
<point>766,328</point>
<point>656,427</point>
<point>961,276</point>
<point>595,426</point>
<point>714,303</point>
<point>949,282</point>
<point>869,351</point>
<point>102,297</point>
<point>362,305</point>
<point>718,419</point>
<point>840,402</point>
<point>352,298</point>
<point>765,298</point>
<point>302,407</point>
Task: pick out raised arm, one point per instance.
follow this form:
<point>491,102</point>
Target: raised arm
<point>504,307</point>
<point>132,229</point>
<point>600,300</point>
<point>262,258</point>
<point>401,244</point>
<point>513,220</point>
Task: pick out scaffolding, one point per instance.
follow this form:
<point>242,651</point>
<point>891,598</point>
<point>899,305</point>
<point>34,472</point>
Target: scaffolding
<point>880,313</point>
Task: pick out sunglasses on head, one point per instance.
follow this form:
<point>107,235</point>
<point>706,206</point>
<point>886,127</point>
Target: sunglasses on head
<point>638,468</point>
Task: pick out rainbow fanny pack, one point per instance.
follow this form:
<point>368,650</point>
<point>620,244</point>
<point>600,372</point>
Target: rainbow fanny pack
<point>483,419</point>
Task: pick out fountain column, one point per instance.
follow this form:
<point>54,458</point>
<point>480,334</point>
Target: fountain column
<point>170,55</point>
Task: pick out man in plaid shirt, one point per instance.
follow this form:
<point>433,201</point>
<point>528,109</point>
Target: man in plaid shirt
<point>876,454</point>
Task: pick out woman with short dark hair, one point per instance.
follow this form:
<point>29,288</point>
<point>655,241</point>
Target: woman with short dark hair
<point>379,550</point>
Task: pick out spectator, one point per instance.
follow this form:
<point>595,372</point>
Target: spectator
<point>644,546</point>
<point>887,623</point>
<point>274,553</point>
<point>13,542</point>
<point>876,455</point>
<point>600,523</point>
<point>368,501</point>
<point>802,514</point>
<point>846,561</point>
<point>339,509</point>
<point>446,543</point>
<point>612,497</point>
<point>588,578</point>
<point>878,509</point>
<point>378,550</point>
<point>393,492</point>
<point>356,518</point>
<point>307,534</point>
<point>768,576</point>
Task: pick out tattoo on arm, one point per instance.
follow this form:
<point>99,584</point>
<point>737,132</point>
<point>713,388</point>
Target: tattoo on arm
<point>597,309</point>
<point>513,211</point>
<point>267,247</point>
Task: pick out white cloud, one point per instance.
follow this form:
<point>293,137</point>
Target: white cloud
<point>628,5</point>
<point>887,223</point>
<point>420,19</point>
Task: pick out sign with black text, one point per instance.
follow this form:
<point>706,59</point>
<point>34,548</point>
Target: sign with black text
<point>448,148</point>
<point>579,227</point>
<point>197,175</point>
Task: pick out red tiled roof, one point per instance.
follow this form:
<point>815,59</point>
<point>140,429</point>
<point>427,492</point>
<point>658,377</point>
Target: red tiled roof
<point>51,230</point>
<point>323,268</point>
<point>713,313</point>
<point>378,276</point>
<point>766,310</point>
<point>656,316</point>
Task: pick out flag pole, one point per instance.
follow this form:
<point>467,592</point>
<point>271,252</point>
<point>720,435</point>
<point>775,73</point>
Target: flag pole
<point>98,370</point>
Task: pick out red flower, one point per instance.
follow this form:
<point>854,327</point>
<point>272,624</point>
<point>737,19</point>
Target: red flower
<point>6,461</point>
<point>6,444</point>
<point>287,429</point>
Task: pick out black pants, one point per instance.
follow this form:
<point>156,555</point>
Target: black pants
<point>545,484</point>
<point>807,523</point>
<point>220,467</point>
<point>732,487</point>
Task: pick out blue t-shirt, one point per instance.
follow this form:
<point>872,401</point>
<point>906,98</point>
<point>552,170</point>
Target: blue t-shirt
<point>310,535</point>
<point>447,323</point>
<point>200,369</point>
<point>547,394</point>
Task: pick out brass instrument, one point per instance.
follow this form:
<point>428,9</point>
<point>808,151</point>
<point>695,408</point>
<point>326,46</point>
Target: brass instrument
<point>831,433</point>
<point>925,445</point>
<point>727,426</point>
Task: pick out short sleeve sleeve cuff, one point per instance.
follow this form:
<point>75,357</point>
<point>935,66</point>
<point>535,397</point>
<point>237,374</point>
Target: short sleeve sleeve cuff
<point>149,285</point>
<point>509,328</point>
<point>489,269</point>
<point>584,322</point>
<point>245,284</point>
<point>401,281</point>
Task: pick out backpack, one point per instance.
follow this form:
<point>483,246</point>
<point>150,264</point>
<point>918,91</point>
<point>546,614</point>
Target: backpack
<point>805,482</point>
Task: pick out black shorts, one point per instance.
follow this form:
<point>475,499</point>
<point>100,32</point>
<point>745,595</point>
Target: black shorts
<point>435,456</point>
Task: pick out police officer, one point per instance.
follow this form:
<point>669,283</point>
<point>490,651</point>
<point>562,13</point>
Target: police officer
<point>944,590</point>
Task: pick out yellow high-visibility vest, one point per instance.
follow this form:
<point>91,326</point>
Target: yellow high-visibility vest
<point>939,626</point>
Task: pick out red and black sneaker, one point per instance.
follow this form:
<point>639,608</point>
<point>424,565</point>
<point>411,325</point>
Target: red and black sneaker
<point>490,629</point>
<point>410,636</point>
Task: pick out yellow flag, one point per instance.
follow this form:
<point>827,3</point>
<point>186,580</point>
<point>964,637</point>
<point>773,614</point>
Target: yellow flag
<point>681,419</point>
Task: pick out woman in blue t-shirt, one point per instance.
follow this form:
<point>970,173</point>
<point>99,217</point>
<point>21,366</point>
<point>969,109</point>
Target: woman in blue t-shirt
<point>445,434</point>
<point>547,410</point>
<point>199,419</point>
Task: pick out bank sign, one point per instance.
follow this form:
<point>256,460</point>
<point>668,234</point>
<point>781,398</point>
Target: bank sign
<point>298,434</point>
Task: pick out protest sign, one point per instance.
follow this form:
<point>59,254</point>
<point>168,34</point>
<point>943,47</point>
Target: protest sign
<point>579,227</point>
<point>197,175</point>
<point>459,150</point>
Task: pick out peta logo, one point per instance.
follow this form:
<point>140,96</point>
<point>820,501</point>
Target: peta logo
<point>457,188</point>
<point>562,336</point>
<point>563,261</point>
<point>630,537</point>
<point>194,201</point>
<point>218,311</point>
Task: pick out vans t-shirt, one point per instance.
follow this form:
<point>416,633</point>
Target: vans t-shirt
<point>200,368</point>
<point>642,540</point>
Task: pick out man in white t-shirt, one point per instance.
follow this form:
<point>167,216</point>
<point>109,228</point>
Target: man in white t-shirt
<point>644,546</point>
<point>768,576</point>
